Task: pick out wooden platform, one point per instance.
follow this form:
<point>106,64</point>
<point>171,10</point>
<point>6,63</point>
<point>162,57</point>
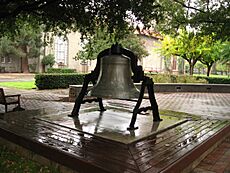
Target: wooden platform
<point>167,151</point>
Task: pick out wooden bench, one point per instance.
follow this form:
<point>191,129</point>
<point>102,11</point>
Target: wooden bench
<point>9,99</point>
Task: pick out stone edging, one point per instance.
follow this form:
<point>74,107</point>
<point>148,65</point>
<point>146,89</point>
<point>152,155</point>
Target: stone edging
<point>167,87</point>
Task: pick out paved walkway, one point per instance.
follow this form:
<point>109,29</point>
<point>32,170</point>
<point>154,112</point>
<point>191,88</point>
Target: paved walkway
<point>207,105</point>
<point>216,162</point>
<point>6,77</point>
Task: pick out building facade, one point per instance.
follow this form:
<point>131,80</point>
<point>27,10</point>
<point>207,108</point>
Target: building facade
<point>65,49</point>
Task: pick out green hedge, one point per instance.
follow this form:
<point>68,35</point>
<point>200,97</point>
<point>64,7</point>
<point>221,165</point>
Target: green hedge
<point>63,80</point>
<point>60,70</point>
<point>215,80</point>
<point>168,78</point>
<point>55,81</point>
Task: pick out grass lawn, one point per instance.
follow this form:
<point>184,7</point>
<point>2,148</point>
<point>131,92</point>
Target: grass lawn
<point>19,85</point>
<point>12,162</point>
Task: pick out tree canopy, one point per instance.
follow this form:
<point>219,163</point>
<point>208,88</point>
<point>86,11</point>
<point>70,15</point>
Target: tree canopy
<point>100,41</point>
<point>205,17</point>
<point>186,45</point>
<point>212,16</point>
<point>25,45</point>
<point>82,15</point>
<point>211,52</point>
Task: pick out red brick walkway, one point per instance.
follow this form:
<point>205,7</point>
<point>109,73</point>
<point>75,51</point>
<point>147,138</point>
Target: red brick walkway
<point>218,161</point>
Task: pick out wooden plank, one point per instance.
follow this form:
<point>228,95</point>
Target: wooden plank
<point>98,152</point>
<point>174,155</point>
<point>155,145</point>
<point>142,145</point>
<point>165,150</point>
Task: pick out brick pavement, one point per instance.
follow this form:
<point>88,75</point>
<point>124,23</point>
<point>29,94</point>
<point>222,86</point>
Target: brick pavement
<point>218,161</point>
<point>207,105</point>
<point>34,99</point>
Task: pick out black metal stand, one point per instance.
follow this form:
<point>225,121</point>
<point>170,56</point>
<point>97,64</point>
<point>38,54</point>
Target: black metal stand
<point>147,82</point>
<point>137,77</point>
<point>88,78</point>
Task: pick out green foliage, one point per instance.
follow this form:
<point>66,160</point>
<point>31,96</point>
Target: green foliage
<point>85,16</point>
<point>206,17</point>
<point>222,67</point>
<point>29,40</point>
<point>169,78</point>
<point>60,70</point>
<point>225,54</point>
<point>101,40</point>
<point>211,53</point>
<point>216,80</point>
<point>55,81</point>
<point>186,45</point>
<point>167,46</point>
<point>212,17</point>
<point>8,49</point>
<point>25,44</point>
<point>48,60</point>
<point>174,16</point>
<point>12,162</point>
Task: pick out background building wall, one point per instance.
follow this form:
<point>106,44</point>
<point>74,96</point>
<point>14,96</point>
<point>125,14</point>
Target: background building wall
<point>153,62</point>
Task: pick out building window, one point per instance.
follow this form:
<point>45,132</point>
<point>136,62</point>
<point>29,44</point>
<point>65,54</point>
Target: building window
<point>8,60</point>
<point>61,50</point>
<point>2,60</point>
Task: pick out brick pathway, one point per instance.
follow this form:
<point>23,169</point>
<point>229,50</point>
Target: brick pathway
<point>34,100</point>
<point>207,105</point>
<point>216,162</point>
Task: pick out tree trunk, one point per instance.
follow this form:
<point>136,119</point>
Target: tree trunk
<point>209,66</point>
<point>25,63</point>
<point>208,70</point>
<point>43,68</point>
<point>191,67</point>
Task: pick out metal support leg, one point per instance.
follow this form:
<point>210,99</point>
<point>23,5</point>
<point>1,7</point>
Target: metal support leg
<point>79,99</point>
<point>6,108</point>
<point>135,110</point>
<point>153,102</point>
<point>101,104</point>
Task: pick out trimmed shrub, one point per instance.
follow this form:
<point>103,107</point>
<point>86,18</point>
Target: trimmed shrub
<point>60,70</point>
<point>48,60</point>
<point>58,80</point>
<point>168,78</point>
<point>216,80</point>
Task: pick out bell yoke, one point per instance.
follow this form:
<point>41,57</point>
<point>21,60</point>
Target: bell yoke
<point>112,78</point>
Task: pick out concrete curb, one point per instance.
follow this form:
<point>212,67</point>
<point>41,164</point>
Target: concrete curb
<point>167,87</point>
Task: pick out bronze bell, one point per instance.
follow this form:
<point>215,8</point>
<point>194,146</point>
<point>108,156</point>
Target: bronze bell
<point>114,80</point>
